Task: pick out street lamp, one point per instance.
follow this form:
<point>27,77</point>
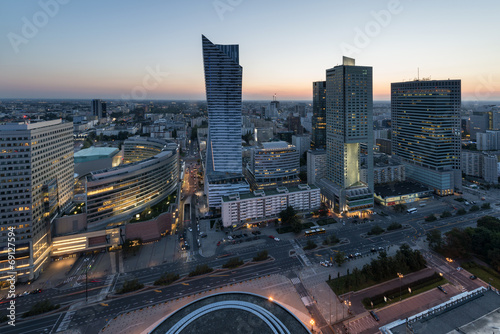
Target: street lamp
<point>400,284</point>
<point>312,324</point>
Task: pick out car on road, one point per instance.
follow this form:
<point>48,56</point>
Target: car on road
<point>442,290</point>
<point>218,244</point>
<point>323,264</point>
<point>374,315</point>
<point>473,277</point>
<point>357,254</point>
<point>230,237</point>
<point>373,250</point>
<point>36,291</point>
<point>190,229</point>
<point>271,236</point>
<point>276,239</point>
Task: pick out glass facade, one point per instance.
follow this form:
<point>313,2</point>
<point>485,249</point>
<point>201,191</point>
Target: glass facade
<point>426,131</point>
<point>223,76</point>
<point>318,139</point>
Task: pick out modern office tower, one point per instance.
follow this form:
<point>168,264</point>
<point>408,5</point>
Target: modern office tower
<point>318,140</point>
<point>36,182</point>
<point>272,165</point>
<point>426,132</point>
<point>223,164</point>
<point>349,136</point>
<point>274,106</point>
<point>99,108</point>
<point>316,166</point>
<point>487,141</point>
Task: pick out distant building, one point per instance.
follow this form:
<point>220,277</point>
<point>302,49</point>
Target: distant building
<point>426,132</point>
<point>37,185</point>
<point>487,141</point>
<point>263,134</point>
<point>387,172</point>
<point>318,140</point>
<point>481,165</point>
<point>295,124</point>
<point>95,158</point>
<point>316,166</point>
<point>262,205</point>
<point>302,143</point>
<point>384,145</point>
<point>99,109</point>
<point>285,136</point>
<point>272,165</point>
<point>274,106</point>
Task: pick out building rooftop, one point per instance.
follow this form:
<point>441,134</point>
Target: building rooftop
<point>471,312</point>
<point>232,312</point>
<point>269,192</point>
<point>94,153</point>
<point>276,145</point>
<point>400,188</point>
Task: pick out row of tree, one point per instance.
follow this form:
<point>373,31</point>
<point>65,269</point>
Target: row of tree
<point>381,269</point>
<point>482,242</point>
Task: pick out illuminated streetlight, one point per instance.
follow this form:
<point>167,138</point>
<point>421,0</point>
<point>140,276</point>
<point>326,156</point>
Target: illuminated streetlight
<point>270,298</point>
<point>312,324</point>
<point>400,284</point>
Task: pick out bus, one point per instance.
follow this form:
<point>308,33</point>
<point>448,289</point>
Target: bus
<point>314,231</point>
<point>412,210</point>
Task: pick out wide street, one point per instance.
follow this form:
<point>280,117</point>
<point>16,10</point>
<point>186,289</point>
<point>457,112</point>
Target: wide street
<point>90,318</point>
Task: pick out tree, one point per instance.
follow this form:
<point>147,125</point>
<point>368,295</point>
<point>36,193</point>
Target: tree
<point>461,212</point>
<point>310,245</point>
<point>485,206</point>
<point>339,258</point>
<point>376,230</point>
<point>434,239</point>
<point>399,207</point>
<point>287,215</point>
<point>430,218</point>
<point>446,214</point>
<point>474,208</point>
<point>394,226</point>
<point>490,223</point>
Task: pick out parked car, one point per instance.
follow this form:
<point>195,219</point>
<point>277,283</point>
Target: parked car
<point>276,239</point>
<point>442,290</point>
<point>473,277</point>
<point>374,315</point>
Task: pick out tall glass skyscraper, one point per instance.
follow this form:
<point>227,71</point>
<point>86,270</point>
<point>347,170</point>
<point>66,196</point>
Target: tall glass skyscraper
<point>223,75</point>
<point>318,140</point>
<point>426,132</point>
<point>349,137</point>
<point>223,164</point>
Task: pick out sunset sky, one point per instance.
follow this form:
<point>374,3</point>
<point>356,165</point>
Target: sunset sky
<point>106,49</point>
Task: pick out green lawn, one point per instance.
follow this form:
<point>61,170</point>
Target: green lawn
<point>324,222</point>
<point>405,294</point>
<point>486,274</point>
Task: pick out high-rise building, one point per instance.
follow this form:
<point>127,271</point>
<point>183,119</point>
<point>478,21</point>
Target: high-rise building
<point>274,106</point>
<point>223,163</point>
<point>426,132</point>
<point>274,164</point>
<point>36,182</point>
<point>99,109</point>
<point>318,140</point>
<point>316,166</point>
<point>223,75</point>
<point>349,137</point>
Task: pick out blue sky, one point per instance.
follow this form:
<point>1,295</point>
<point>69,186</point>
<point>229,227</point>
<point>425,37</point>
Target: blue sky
<point>106,49</point>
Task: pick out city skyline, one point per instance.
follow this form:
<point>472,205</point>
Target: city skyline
<point>74,51</point>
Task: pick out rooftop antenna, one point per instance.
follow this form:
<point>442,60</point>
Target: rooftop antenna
<point>274,97</point>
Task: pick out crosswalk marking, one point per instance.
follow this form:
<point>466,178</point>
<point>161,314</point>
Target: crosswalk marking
<point>295,280</point>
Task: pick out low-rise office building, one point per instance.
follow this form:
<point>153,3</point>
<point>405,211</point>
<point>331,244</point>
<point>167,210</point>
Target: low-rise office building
<point>265,204</point>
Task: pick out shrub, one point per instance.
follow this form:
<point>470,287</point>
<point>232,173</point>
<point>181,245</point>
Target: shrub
<point>167,279</point>
<point>474,208</point>
<point>261,256</point>
<point>41,307</point>
<point>233,263</point>
<point>200,270</point>
<point>394,226</point>
<point>430,218</point>
<point>310,245</point>
<point>461,212</point>
<point>485,206</point>
<point>446,214</point>
<point>376,230</point>
<point>129,286</point>
<point>331,240</point>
